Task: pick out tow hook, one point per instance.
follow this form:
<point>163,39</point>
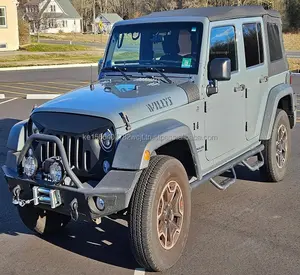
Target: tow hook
<point>74,210</point>
<point>16,197</point>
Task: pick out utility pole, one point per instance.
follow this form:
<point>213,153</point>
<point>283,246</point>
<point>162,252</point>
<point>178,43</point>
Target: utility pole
<point>94,16</point>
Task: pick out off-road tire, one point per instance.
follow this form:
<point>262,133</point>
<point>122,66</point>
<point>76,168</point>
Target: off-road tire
<point>143,221</point>
<point>41,221</point>
<point>271,172</point>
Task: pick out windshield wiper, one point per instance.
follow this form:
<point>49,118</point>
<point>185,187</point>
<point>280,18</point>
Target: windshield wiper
<point>153,69</point>
<point>115,68</point>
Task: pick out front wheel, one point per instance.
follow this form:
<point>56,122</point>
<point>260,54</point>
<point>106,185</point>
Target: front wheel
<point>277,149</point>
<point>160,213</point>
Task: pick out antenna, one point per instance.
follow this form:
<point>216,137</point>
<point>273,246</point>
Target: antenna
<point>92,86</point>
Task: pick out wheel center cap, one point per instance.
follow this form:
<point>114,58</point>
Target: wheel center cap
<point>169,213</point>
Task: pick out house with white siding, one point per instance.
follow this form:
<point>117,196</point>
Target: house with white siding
<point>52,16</point>
<point>105,21</point>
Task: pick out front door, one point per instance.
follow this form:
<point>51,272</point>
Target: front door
<point>225,114</point>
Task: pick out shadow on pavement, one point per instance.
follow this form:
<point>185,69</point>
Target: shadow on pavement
<point>108,242</point>
<point>10,222</point>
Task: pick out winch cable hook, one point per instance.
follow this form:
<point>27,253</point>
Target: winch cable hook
<point>74,210</point>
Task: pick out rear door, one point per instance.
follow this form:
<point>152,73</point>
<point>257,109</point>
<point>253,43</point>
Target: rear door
<point>255,70</point>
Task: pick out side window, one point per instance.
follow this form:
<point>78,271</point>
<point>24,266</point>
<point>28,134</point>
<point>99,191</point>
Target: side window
<point>254,53</point>
<point>274,42</point>
<point>223,44</point>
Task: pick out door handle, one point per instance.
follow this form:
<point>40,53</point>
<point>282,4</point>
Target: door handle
<point>240,88</point>
<point>264,79</point>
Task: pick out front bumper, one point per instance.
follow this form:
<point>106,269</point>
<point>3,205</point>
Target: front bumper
<point>115,189</point>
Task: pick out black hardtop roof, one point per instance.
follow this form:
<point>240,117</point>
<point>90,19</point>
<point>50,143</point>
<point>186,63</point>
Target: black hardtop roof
<point>219,13</point>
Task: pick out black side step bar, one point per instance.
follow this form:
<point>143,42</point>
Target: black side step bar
<point>257,165</point>
<point>225,183</point>
<point>228,166</point>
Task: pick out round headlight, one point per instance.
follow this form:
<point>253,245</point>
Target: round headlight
<point>107,140</point>
<point>30,166</point>
<point>56,172</point>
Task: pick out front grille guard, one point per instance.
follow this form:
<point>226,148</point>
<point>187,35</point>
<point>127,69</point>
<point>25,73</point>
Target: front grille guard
<point>63,155</point>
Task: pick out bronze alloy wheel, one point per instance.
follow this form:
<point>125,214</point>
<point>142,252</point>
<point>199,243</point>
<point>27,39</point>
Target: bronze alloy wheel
<point>281,146</point>
<point>170,211</point>
<point>160,214</point>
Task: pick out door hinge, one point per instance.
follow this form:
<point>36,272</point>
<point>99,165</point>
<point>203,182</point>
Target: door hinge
<point>246,93</point>
<point>205,146</point>
<point>246,127</point>
<point>205,107</point>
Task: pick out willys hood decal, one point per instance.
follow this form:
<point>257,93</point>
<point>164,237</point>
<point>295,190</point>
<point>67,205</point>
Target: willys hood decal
<point>138,99</point>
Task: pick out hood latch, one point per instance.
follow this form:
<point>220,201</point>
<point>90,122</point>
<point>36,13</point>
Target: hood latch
<point>125,120</point>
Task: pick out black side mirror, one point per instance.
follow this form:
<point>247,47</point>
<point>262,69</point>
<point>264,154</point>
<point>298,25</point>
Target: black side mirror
<point>219,70</point>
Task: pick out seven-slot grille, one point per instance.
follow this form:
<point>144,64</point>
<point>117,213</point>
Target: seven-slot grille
<point>74,148</point>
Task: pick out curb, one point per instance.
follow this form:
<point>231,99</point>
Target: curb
<point>2,96</point>
<point>42,96</point>
<point>48,67</point>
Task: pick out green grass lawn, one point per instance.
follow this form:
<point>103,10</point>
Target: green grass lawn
<point>79,37</point>
<point>48,59</point>
<point>40,47</point>
<point>292,41</point>
<point>294,63</point>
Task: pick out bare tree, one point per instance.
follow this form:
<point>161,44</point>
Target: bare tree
<point>132,8</point>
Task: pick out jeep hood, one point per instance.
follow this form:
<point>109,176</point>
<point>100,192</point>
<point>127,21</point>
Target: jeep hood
<point>138,99</point>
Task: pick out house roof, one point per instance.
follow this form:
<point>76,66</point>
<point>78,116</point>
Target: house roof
<point>68,9</point>
<point>110,17</point>
<point>52,15</point>
<point>218,13</point>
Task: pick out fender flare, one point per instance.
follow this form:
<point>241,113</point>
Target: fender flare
<point>132,146</point>
<point>17,135</point>
<point>274,97</point>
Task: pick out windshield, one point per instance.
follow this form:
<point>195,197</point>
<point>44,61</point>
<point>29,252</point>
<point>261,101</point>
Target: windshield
<point>171,47</point>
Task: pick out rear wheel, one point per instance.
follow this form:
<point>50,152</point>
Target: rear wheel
<point>160,213</point>
<point>277,149</point>
<point>42,221</point>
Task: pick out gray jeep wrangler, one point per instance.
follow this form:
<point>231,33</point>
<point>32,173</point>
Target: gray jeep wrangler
<point>182,97</point>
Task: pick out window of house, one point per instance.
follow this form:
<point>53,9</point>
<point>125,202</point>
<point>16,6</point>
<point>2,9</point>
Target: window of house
<point>274,42</point>
<point>65,23</point>
<point>52,23</point>
<point>223,45</point>
<point>254,50</point>
<point>53,8</point>
<point>2,17</point>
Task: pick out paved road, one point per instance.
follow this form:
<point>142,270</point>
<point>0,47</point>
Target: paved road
<point>50,81</point>
<point>293,54</point>
<point>64,42</point>
<point>252,228</point>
